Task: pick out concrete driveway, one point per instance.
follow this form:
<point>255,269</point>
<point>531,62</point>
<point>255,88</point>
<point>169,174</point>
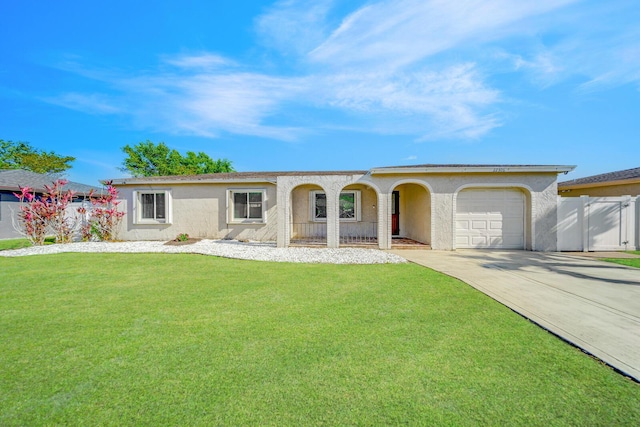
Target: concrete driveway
<point>593,304</point>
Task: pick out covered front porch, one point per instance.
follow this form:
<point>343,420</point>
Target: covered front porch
<point>343,217</point>
<point>354,213</point>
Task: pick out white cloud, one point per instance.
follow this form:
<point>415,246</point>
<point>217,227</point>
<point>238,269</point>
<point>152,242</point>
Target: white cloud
<point>294,26</point>
<point>393,34</point>
<point>423,102</point>
<point>541,66</point>
<point>205,95</point>
<point>209,103</point>
<point>203,61</point>
<point>608,63</point>
<point>410,67</point>
<point>89,103</point>
<point>597,42</point>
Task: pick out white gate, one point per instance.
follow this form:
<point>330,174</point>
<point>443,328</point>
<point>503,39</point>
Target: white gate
<point>597,223</point>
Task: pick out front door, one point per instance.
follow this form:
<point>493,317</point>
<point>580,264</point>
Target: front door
<point>395,213</point>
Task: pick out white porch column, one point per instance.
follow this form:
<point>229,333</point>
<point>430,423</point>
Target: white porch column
<point>384,223</point>
<point>284,226</point>
<point>333,217</point>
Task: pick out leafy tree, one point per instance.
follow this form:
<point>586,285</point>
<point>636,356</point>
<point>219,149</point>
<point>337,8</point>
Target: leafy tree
<point>149,159</point>
<point>21,155</point>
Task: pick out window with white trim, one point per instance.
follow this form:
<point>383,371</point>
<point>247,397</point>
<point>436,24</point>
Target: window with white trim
<point>348,206</point>
<point>246,205</point>
<point>153,207</point>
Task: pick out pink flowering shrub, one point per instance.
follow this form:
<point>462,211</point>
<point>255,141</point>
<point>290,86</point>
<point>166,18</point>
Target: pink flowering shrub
<point>41,215</point>
<point>104,217</point>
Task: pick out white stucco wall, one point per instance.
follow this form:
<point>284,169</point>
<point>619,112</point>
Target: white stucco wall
<point>200,210</point>
<point>540,188</point>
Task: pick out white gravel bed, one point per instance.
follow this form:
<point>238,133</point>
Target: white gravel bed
<point>257,251</point>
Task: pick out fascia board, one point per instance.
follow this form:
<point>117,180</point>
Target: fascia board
<point>599,184</point>
<point>124,181</point>
<point>475,169</point>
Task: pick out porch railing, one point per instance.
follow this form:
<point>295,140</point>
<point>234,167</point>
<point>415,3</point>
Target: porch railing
<point>358,232</point>
<point>350,232</point>
<point>309,232</point>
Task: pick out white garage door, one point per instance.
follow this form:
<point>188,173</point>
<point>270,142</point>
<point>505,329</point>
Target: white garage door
<point>490,219</point>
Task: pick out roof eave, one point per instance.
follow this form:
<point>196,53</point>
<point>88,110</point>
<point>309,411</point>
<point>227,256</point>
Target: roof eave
<point>139,181</point>
<point>598,184</point>
<point>475,169</point>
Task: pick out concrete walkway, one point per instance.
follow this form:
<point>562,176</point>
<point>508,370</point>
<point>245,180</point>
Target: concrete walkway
<point>593,304</point>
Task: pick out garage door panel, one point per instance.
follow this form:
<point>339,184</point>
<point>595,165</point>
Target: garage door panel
<point>478,225</point>
<point>495,225</point>
<point>479,241</point>
<point>463,241</point>
<point>492,218</point>
<point>463,225</point>
<point>496,242</point>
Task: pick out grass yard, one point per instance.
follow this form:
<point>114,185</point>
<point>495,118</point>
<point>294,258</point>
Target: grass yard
<point>6,244</point>
<point>631,262</point>
<point>159,339</point>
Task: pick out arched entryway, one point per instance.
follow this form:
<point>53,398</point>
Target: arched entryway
<point>308,215</point>
<point>358,207</point>
<point>410,214</point>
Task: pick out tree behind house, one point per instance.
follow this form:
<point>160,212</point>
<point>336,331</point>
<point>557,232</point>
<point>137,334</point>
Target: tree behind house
<point>150,159</point>
<point>21,155</point>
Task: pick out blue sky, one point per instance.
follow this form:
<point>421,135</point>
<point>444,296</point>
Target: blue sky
<point>325,84</point>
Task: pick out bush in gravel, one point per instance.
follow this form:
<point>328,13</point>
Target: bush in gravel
<point>43,214</point>
<point>104,216</point>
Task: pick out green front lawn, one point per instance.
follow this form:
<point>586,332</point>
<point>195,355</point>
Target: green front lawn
<point>631,262</point>
<point>159,339</point>
<point>6,244</point>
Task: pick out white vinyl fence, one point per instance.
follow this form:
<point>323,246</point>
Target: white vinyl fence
<point>598,223</point>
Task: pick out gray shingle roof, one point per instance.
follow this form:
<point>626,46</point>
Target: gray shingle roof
<point>623,175</point>
<point>13,179</point>
<point>272,176</point>
<point>232,176</point>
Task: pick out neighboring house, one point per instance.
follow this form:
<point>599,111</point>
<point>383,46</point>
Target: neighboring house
<point>444,206</point>
<point>10,182</point>
<point>619,183</point>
